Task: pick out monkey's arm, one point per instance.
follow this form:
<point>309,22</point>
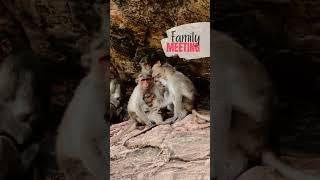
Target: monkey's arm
<point>162,100</point>
<point>136,105</point>
<point>179,111</point>
<point>221,138</point>
<point>141,115</point>
<point>167,101</point>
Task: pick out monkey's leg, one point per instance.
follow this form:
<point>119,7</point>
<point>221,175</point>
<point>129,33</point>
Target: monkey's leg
<point>225,162</point>
<point>179,111</point>
<point>154,117</point>
<point>257,105</point>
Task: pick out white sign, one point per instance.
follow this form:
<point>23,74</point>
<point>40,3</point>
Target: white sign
<point>188,41</point>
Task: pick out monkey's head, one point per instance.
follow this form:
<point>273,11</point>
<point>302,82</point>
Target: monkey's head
<point>160,71</point>
<point>96,59</point>
<point>157,71</point>
<point>145,64</point>
<point>115,93</point>
<point>145,81</point>
<point>19,97</point>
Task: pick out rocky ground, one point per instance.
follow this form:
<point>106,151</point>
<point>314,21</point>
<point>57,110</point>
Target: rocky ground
<point>177,151</point>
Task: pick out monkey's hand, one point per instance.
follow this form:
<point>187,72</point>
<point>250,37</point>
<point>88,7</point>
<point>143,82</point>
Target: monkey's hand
<point>164,104</point>
<point>148,123</point>
<point>154,109</point>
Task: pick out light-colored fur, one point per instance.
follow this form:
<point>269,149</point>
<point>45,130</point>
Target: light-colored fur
<point>82,132</point>
<point>180,87</point>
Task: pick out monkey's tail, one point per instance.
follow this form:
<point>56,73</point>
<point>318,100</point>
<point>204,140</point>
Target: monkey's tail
<point>287,171</point>
<point>205,117</point>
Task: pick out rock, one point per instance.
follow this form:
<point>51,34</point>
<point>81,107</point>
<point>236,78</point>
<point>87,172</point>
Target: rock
<point>138,26</point>
<point>177,151</point>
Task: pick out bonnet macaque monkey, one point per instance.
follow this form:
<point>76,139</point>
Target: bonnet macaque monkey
<point>115,92</point>
<point>145,66</point>
<point>181,91</point>
<point>81,136</point>
<point>21,107</point>
<point>143,105</point>
<point>115,100</point>
<point>82,133</point>
<point>242,85</point>
<point>147,69</point>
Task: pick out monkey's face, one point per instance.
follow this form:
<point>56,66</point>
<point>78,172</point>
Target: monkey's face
<point>157,72</point>
<point>115,93</point>
<point>147,66</point>
<point>16,103</point>
<point>145,83</point>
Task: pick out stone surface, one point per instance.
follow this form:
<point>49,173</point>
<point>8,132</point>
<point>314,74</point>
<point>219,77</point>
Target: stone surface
<point>178,151</point>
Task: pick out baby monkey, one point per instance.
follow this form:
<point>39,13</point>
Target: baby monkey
<point>145,66</point>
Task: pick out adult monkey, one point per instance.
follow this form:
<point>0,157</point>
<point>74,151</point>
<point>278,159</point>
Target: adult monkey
<point>81,138</point>
<point>143,106</point>
<point>23,98</point>
<point>115,100</point>
<point>81,133</point>
<point>243,85</point>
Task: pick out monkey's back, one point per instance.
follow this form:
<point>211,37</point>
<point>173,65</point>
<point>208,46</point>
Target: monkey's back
<point>249,83</point>
<point>81,132</point>
<point>181,83</point>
